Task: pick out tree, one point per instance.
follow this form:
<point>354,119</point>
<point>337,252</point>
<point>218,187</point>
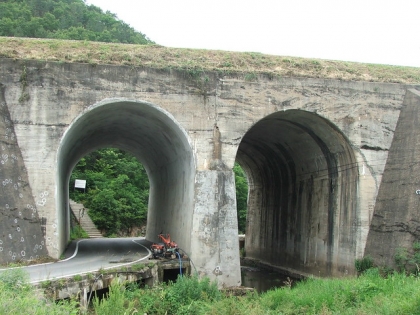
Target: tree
<point>241,196</point>
<point>117,190</point>
<point>51,19</point>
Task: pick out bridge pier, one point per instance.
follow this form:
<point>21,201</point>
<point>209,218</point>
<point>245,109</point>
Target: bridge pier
<point>214,238</point>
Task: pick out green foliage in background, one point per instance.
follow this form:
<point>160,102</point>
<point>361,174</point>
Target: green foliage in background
<point>241,196</point>
<point>117,190</point>
<point>64,19</point>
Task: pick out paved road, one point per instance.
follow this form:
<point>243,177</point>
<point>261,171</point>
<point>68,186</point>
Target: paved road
<point>90,255</point>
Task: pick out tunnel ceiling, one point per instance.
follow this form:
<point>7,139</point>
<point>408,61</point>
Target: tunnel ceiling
<point>300,142</point>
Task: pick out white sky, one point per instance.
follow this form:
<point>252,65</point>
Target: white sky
<point>370,31</point>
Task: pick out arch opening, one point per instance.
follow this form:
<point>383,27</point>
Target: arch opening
<point>302,199</point>
<point>156,140</point>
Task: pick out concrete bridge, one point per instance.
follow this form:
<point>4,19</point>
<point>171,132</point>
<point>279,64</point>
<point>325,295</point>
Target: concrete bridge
<point>314,151</point>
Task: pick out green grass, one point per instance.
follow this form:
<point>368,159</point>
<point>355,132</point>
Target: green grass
<point>18,297</point>
<point>78,232</point>
<point>200,62</point>
<point>370,293</point>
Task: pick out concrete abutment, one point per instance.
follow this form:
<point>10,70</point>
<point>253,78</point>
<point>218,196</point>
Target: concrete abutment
<point>396,221</point>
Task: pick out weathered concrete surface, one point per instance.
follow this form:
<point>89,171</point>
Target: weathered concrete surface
<point>21,230</point>
<point>396,221</point>
<point>304,179</point>
<point>215,226</point>
<point>82,288</point>
<point>314,151</point>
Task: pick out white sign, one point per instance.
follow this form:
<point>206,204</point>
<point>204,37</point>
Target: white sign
<point>80,183</point>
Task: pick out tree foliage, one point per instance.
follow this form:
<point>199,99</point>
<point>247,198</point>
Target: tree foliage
<point>241,196</point>
<point>64,19</point>
<point>117,190</point>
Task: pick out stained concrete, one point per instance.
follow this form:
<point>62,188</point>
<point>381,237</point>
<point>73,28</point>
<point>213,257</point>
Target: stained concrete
<point>22,232</point>
<point>396,221</point>
<point>314,152</point>
<point>304,179</point>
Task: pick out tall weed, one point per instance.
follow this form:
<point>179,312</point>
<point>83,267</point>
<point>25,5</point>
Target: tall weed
<point>19,297</point>
<point>115,303</point>
<point>14,279</point>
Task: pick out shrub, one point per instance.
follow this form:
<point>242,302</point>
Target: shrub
<point>408,260</point>
<point>187,289</point>
<point>363,264</point>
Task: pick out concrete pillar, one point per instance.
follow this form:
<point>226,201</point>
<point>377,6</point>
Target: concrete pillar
<point>214,237</point>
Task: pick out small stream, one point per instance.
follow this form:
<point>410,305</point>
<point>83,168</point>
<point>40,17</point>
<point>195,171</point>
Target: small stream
<point>262,279</point>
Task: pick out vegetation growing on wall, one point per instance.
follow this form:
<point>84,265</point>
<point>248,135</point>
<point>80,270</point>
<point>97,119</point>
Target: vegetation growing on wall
<point>89,25</point>
<point>206,62</point>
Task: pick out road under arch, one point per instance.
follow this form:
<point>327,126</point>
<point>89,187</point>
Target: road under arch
<point>159,143</point>
<point>302,202</point>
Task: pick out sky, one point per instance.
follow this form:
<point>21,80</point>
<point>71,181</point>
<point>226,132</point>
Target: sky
<point>368,31</point>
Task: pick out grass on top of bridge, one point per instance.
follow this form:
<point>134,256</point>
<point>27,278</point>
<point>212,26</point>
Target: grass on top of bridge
<point>250,64</point>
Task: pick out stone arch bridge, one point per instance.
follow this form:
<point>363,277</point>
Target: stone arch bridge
<point>316,153</point>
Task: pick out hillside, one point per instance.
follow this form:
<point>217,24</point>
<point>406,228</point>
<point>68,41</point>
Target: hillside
<point>51,19</point>
<point>198,61</point>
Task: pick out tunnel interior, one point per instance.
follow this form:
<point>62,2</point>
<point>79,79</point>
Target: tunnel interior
<point>302,199</point>
<point>156,140</point>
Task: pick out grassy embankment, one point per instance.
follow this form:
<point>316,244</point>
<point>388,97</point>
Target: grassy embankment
<point>370,293</point>
<point>198,61</point>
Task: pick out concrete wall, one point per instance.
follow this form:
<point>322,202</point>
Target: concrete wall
<point>396,220</point>
<point>22,232</point>
<point>314,151</point>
